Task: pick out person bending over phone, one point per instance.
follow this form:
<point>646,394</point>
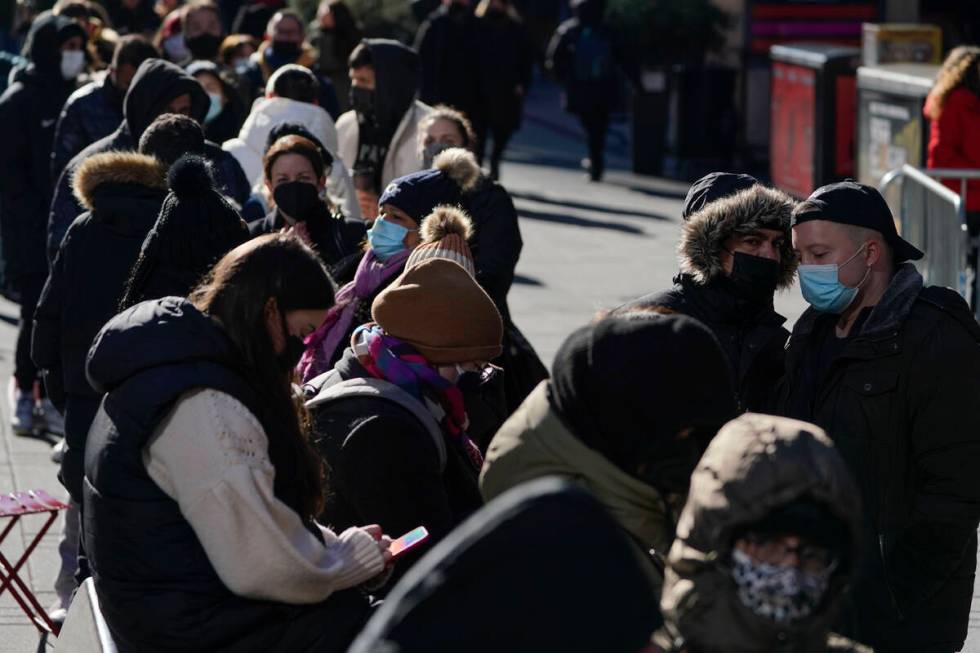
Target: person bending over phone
<point>200,485</point>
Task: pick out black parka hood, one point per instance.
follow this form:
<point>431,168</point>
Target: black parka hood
<point>155,84</point>
<point>756,464</point>
<point>47,34</point>
<point>398,74</point>
<point>154,334</point>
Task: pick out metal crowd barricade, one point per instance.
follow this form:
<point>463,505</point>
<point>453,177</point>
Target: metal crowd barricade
<point>933,218</point>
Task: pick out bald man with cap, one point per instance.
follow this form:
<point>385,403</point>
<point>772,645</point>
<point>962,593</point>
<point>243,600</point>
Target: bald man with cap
<point>891,370</point>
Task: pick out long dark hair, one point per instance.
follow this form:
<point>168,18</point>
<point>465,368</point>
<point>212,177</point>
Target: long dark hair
<point>236,293</point>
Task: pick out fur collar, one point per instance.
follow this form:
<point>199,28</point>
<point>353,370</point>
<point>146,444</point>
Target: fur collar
<point>117,168</point>
<point>704,233</point>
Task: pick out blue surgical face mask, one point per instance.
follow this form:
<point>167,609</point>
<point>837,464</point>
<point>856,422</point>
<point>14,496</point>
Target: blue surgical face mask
<point>822,288</point>
<point>386,238</point>
<point>214,109</point>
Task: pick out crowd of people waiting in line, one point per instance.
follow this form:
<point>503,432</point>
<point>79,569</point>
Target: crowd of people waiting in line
<point>276,355</point>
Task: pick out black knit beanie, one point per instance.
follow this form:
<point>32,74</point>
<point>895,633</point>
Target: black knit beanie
<point>195,228</point>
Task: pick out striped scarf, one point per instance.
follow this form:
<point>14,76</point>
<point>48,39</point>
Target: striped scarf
<point>398,362</point>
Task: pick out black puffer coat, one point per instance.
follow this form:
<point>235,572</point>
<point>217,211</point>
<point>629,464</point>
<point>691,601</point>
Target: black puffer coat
<point>497,242</point>
<point>29,110</point>
<point>92,112</point>
<point>155,85</point>
<point>900,402</point>
<point>122,192</point>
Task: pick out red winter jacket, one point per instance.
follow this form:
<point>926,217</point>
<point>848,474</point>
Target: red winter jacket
<point>954,140</point>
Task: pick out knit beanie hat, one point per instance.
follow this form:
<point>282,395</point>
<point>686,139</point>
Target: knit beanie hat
<point>195,228</point>
<point>454,172</point>
<point>714,186</point>
<point>444,234</point>
<point>439,309</point>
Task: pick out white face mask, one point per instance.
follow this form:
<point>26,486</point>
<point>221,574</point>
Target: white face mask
<point>175,49</point>
<point>72,63</point>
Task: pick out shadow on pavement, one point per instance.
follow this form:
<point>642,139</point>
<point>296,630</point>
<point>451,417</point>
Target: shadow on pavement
<point>528,281</point>
<point>576,221</point>
<point>585,206</point>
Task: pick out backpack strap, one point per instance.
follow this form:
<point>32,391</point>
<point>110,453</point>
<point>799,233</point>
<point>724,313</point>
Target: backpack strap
<point>330,387</point>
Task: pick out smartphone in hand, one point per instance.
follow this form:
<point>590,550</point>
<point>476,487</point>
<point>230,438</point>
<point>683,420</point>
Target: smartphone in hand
<point>408,541</point>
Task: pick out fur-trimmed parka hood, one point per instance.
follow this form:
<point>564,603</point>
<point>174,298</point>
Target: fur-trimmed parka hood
<point>704,233</point>
<point>117,168</point>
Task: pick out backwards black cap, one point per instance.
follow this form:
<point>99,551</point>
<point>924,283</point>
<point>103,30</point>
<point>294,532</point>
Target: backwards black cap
<point>848,202</point>
<point>714,186</point>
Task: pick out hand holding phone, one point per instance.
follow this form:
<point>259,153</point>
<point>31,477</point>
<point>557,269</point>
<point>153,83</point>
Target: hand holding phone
<point>407,542</point>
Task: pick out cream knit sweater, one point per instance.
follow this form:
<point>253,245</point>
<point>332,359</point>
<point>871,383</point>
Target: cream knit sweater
<point>212,457</point>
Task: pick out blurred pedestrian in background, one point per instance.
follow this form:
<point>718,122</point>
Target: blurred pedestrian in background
<point>335,34</point>
<point>226,111</point>
<point>448,43</point>
<point>505,60</point>
<point>953,111</point>
<point>583,58</point>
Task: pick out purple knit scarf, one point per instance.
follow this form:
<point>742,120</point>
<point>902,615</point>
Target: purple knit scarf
<point>323,343</point>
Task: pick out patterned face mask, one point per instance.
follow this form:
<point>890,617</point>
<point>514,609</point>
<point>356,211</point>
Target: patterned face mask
<point>783,594</point>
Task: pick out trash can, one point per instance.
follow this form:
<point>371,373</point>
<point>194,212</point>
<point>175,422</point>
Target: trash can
<point>811,140</point>
<point>891,128</point>
<point>684,121</point>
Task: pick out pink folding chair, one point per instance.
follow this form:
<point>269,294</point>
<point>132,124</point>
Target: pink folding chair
<point>14,506</point>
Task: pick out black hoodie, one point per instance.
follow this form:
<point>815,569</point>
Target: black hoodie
<point>542,568</point>
<point>29,110</point>
<point>155,84</point>
<point>397,74</point>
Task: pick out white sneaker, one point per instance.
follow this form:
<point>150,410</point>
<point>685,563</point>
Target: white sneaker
<point>21,410</point>
<point>58,451</point>
<point>47,418</point>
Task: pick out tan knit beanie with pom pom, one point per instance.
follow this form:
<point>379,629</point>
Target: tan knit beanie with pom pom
<point>444,233</point>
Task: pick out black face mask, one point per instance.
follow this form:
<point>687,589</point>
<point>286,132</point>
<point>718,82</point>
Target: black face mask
<point>362,100</point>
<point>286,49</point>
<point>293,351</point>
<point>754,277</point>
<point>203,46</point>
<point>297,199</point>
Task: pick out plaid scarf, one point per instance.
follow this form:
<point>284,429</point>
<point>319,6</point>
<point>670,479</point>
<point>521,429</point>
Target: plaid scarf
<point>398,362</point>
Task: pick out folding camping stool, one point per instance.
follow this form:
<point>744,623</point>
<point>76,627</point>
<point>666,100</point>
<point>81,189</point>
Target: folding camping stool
<point>13,506</point>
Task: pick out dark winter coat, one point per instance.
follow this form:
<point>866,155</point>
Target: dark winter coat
<point>29,110</point>
<point>337,240</point>
<point>954,142</point>
<point>751,337</point>
<point>750,332</point>
<point>156,84</point>
<point>157,588</point>
<point>448,47</point>
<point>900,402</point>
<point>505,62</point>
<point>496,243</point>
<point>755,465</point>
<point>92,112</point>
<point>122,193</point>
<point>384,468</point>
<point>542,568</point>
<point>585,93</point>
